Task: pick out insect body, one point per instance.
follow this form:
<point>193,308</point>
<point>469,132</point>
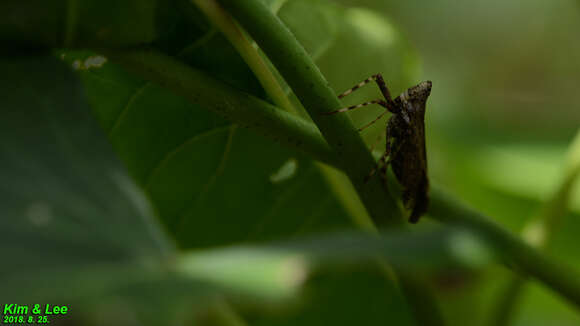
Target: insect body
<point>405,141</point>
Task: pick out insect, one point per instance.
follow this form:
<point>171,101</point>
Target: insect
<point>405,141</point>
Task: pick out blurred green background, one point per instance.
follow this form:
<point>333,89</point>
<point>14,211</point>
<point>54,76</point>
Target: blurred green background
<point>501,115</point>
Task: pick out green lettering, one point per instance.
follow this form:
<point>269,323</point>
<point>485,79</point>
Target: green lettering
<point>8,309</point>
<point>47,311</point>
<point>22,310</point>
<point>63,310</point>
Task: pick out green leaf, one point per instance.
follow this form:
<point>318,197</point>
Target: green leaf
<point>302,16</point>
<point>176,154</point>
<point>212,183</point>
<point>74,226</point>
<point>538,170</point>
<point>417,253</point>
<point>71,218</point>
<point>359,295</point>
<point>341,270</point>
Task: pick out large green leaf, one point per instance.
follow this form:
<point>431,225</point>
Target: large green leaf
<point>72,220</point>
<point>211,182</point>
<point>75,230</point>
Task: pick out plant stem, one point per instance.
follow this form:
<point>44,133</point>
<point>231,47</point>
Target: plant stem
<point>240,107</point>
<point>224,22</point>
<point>305,79</point>
<point>504,308</point>
<point>343,190</point>
<point>514,253</point>
<point>313,91</point>
<point>299,134</point>
<point>540,230</point>
<point>423,305</point>
<point>538,233</point>
<point>245,47</point>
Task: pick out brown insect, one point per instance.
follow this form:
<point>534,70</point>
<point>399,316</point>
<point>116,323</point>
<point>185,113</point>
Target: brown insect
<point>405,137</point>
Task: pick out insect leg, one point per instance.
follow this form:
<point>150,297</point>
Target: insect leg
<point>388,152</point>
<point>380,82</point>
<point>380,166</point>
<point>383,162</point>
<point>388,103</point>
<point>392,152</point>
<point>370,123</point>
<point>357,86</point>
<point>379,102</point>
<point>381,136</point>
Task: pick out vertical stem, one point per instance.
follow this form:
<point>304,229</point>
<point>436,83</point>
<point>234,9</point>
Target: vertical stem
<point>313,91</point>
<point>317,97</point>
<point>245,47</point>
<point>224,22</point>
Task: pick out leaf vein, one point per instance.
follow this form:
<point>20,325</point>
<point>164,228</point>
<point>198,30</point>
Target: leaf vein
<point>170,154</point>
<point>219,170</point>
<point>282,199</point>
<point>138,92</point>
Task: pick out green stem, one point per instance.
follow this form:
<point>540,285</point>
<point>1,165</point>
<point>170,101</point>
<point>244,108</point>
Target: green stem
<point>297,133</point>
<point>224,22</point>
<point>516,254</point>
<point>313,91</point>
<point>538,233</point>
<point>247,110</point>
<point>303,76</point>
<point>507,300</point>
<point>540,230</point>
<point>342,188</point>
<point>245,47</point>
